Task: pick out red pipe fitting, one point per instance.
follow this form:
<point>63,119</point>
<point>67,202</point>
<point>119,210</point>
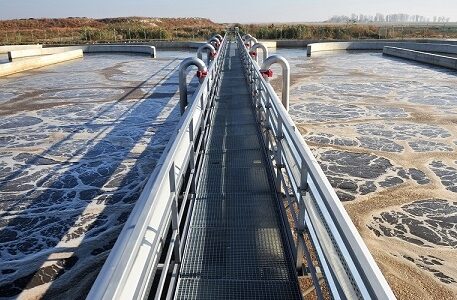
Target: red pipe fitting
<point>202,74</point>
<point>253,53</point>
<point>267,73</point>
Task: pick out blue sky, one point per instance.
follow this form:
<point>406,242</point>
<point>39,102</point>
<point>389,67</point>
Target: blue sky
<point>245,11</point>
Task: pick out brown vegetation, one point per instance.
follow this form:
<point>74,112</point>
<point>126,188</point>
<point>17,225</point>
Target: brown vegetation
<point>322,31</point>
<point>83,30</point>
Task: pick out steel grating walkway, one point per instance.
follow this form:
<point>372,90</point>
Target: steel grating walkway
<point>235,247</point>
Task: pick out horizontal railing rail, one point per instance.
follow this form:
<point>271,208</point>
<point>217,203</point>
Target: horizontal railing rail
<point>147,253</point>
<point>344,260</point>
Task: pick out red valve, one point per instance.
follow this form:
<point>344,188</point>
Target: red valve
<point>202,74</point>
<point>213,54</point>
<point>267,73</point>
<point>253,53</point>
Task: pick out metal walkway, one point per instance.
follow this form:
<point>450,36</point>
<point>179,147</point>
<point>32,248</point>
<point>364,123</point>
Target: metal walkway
<point>234,248</point>
<point>216,217</point>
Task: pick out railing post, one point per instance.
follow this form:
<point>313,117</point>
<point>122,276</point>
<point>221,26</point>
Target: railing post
<point>303,196</point>
<point>267,122</point>
<point>192,156</point>
<point>279,162</point>
<point>259,103</point>
<point>175,213</point>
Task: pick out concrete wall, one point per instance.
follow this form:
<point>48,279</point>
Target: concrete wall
<point>38,62</point>
<point>304,43</point>
<point>145,49</point>
<point>8,48</point>
<point>269,44</point>
<point>176,44</point>
<point>429,58</point>
<point>379,45</point>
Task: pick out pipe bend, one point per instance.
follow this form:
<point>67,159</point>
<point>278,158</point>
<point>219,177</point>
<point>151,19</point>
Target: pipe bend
<point>285,75</point>
<point>190,61</point>
<point>261,46</point>
<point>206,46</point>
<point>275,58</point>
<point>215,42</point>
<point>214,39</point>
<point>250,41</point>
<point>218,36</point>
<point>246,36</point>
<point>211,53</point>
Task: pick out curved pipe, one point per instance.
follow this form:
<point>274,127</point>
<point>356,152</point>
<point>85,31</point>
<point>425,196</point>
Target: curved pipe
<point>191,61</point>
<point>251,41</point>
<point>285,75</point>
<point>246,36</point>
<point>215,42</point>
<point>219,37</point>
<point>264,51</point>
<point>210,52</point>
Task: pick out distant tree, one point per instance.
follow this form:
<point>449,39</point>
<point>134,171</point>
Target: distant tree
<point>390,18</point>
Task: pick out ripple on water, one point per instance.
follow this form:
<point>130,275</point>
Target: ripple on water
<point>447,174</point>
<point>428,222</point>
<point>353,174</point>
<point>18,122</point>
<point>70,173</point>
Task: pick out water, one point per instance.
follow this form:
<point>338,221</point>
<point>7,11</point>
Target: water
<point>384,131</point>
<point>3,58</point>
<point>79,139</point>
<point>78,142</point>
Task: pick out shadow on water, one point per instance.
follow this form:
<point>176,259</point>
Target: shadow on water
<point>4,182</point>
<point>422,65</point>
<point>123,175</point>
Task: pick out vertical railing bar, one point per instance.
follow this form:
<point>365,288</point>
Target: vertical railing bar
<point>164,271</point>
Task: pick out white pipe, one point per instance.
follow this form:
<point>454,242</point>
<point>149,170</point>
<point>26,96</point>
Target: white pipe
<point>251,40</point>
<point>285,75</point>
<point>215,42</point>
<point>246,36</point>
<point>264,51</point>
<point>191,61</point>
<point>218,36</point>
<point>210,52</point>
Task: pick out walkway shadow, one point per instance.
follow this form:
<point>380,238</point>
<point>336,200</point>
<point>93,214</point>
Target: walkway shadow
<point>77,217</point>
<point>422,65</point>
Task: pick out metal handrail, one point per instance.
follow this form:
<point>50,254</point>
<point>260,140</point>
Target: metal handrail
<point>346,263</point>
<point>134,260</point>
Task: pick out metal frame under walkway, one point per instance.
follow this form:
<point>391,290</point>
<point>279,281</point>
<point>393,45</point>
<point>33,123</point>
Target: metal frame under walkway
<point>235,247</point>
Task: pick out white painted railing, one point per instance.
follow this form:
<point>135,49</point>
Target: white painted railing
<point>134,268</point>
<point>344,260</point>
